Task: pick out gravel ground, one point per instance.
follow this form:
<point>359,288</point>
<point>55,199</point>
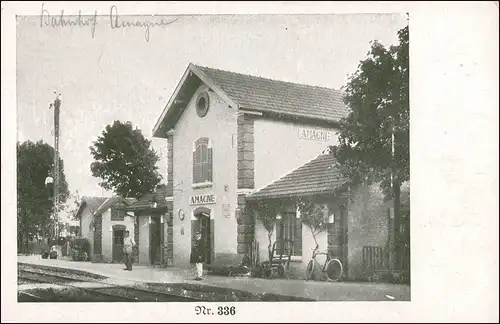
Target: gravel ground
<point>210,293</point>
<point>45,277</point>
<point>141,296</point>
<point>23,281</point>
<point>81,275</point>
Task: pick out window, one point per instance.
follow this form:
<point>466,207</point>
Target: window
<point>117,214</point>
<point>202,104</point>
<point>289,228</point>
<point>202,161</point>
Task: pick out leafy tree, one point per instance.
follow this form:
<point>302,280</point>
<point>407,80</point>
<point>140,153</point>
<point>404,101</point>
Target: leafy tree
<point>124,161</point>
<point>313,216</point>
<point>377,95</point>
<point>34,199</point>
<point>72,205</point>
<point>266,212</point>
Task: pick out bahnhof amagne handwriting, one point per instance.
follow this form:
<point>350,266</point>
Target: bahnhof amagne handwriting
<point>116,21</point>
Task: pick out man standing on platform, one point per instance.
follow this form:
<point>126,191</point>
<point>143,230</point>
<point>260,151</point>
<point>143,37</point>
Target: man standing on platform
<point>128,245</point>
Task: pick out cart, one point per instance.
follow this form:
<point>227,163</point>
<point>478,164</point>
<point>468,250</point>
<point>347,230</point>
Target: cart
<point>81,249</point>
<point>279,259</point>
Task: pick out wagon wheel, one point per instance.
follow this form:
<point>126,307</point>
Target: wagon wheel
<point>281,270</point>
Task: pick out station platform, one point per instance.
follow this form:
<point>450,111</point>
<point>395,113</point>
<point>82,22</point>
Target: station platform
<point>316,290</point>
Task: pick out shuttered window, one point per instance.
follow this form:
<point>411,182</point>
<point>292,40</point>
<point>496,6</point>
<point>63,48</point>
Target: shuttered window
<point>202,161</point>
<point>289,228</point>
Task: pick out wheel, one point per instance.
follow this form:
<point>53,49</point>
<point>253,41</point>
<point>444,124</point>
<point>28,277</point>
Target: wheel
<point>281,270</point>
<point>309,269</point>
<point>334,270</point>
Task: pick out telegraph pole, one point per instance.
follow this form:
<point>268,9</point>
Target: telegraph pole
<point>56,105</point>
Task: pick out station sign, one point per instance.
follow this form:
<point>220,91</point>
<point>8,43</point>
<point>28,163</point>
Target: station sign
<point>314,134</point>
<point>202,199</point>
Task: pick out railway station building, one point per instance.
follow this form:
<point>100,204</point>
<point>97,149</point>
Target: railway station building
<point>235,139</point>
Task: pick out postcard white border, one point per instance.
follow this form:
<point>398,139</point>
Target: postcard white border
<point>454,170</point>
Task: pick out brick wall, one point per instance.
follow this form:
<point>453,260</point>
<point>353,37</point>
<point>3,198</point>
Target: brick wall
<point>245,227</point>
<point>168,235</point>
<point>168,224</point>
<point>97,257</point>
<point>337,234</point>
<point>135,252</point>
<point>245,180</point>
<point>368,225</point>
<point>170,161</point>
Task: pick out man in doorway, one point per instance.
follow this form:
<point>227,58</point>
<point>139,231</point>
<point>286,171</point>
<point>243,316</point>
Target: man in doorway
<point>128,245</point>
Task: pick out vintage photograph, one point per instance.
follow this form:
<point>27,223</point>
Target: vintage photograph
<point>212,158</point>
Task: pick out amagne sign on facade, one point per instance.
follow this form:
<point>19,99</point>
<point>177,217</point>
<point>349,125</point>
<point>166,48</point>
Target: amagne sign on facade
<point>202,199</point>
<point>314,134</point>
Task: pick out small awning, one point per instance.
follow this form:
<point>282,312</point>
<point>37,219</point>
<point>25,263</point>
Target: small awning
<point>317,177</point>
<point>152,203</point>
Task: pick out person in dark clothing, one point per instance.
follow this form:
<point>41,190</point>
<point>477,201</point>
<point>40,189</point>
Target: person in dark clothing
<point>198,256</point>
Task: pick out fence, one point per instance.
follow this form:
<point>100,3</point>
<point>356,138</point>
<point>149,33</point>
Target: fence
<point>374,258</point>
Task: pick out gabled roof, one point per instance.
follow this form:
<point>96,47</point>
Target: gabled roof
<point>319,176</point>
<point>144,203</point>
<point>267,96</point>
<point>113,201</point>
<point>92,204</point>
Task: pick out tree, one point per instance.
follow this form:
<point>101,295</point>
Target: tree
<point>266,212</point>
<point>374,138</point>
<point>312,215</point>
<point>35,201</point>
<point>124,161</point>
<point>72,205</point>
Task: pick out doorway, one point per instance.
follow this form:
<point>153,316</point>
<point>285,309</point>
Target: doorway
<point>204,224</point>
<point>155,240</point>
<point>118,232</point>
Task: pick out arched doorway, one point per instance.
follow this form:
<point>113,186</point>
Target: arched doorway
<point>202,221</point>
<point>117,247</point>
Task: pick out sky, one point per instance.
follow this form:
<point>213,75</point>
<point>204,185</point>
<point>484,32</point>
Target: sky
<point>116,74</point>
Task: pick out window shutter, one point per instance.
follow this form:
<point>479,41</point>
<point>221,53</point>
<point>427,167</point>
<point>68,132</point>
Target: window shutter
<point>210,165</point>
<point>194,167</point>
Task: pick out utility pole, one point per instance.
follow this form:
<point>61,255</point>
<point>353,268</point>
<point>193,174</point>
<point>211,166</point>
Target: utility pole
<point>56,105</point>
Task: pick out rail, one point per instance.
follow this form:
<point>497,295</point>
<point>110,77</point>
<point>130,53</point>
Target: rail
<point>147,295</point>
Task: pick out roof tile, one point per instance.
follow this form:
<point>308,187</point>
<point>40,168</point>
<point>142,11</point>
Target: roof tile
<point>315,177</point>
<point>145,202</point>
<point>267,95</point>
<point>93,203</point>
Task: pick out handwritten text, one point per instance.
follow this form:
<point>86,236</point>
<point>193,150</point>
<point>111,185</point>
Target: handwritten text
<point>116,21</point>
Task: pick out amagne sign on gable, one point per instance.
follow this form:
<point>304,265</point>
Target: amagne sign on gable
<point>314,134</point>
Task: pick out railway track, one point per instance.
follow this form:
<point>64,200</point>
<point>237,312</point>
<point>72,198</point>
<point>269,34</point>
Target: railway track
<point>106,292</point>
<point>30,297</point>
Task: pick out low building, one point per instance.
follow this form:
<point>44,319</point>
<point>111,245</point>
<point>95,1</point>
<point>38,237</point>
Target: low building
<point>153,228</point>
<point>356,218</point>
<point>103,222</point>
